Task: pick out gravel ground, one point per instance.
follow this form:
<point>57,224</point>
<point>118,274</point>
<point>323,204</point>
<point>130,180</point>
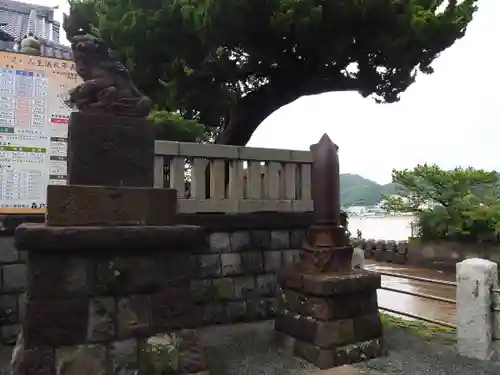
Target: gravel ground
<point>409,354</point>
<point>247,349</point>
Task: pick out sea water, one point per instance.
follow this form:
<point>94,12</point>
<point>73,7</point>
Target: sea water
<point>395,228</point>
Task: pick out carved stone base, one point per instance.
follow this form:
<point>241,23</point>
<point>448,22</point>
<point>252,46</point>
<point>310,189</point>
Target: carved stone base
<point>338,356</point>
<point>327,284</point>
<point>110,150</point>
<point>176,353</point>
<point>330,319</point>
<point>326,250</point>
<point>88,240</point>
<point>109,297</point>
<point>77,205</point>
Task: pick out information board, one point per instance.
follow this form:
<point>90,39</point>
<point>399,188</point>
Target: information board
<point>33,129</point>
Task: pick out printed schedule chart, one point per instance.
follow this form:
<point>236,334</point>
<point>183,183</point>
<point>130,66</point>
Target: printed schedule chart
<point>33,129</point>
<point>21,178</point>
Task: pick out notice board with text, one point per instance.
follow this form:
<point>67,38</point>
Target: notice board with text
<point>33,129</point>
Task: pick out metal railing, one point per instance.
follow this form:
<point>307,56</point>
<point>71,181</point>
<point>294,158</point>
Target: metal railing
<point>418,278</point>
<point>420,295</point>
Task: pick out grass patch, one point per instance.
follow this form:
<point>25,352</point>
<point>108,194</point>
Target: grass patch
<point>427,331</point>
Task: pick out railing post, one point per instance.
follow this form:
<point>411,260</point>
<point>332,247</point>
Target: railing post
<point>358,258</point>
<point>475,279</point>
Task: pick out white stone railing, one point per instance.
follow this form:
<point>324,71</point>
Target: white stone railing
<point>218,178</point>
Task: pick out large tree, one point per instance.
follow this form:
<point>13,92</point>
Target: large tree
<point>229,64</point>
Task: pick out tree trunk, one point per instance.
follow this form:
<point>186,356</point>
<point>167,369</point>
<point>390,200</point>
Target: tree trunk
<point>252,109</point>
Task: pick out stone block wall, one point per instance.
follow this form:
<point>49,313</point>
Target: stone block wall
<point>12,285</point>
<point>236,275</point>
<point>442,255</point>
<point>384,251</point>
<point>95,309</point>
<point>234,278</point>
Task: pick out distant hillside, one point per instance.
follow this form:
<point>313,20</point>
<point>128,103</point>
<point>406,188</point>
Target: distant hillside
<point>356,190</point>
<point>359,191</point>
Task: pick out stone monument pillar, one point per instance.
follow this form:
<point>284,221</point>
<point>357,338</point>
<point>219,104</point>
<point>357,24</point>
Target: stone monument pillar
<point>328,313</point>
<point>109,271</point>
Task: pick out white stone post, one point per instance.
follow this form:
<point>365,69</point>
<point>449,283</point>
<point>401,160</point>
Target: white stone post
<point>358,258</point>
<point>475,279</point>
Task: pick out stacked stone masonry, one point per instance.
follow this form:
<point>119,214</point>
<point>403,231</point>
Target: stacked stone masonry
<point>331,319</point>
<point>109,311</point>
<point>12,285</point>
<point>432,254</point>
<point>384,251</point>
<point>234,277</point>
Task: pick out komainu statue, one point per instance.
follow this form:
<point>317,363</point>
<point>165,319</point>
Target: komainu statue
<point>108,87</point>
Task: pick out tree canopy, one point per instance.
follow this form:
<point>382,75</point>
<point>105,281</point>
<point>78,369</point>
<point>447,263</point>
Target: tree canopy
<point>172,127</point>
<point>459,204</point>
<point>229,64</point>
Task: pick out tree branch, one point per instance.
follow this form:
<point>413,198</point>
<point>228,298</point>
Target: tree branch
<point>251,110</point>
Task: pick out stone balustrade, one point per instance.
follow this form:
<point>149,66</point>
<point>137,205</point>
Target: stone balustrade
<point>218,178</point>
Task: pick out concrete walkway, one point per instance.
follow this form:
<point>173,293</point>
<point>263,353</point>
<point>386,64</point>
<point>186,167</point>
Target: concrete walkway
<point>248,349</point>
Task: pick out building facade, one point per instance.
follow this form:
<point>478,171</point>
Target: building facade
<point>18,19</point>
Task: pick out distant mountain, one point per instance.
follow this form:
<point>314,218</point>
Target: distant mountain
<point>356,190</point>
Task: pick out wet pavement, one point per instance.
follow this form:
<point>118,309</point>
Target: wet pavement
<point>428,308</point>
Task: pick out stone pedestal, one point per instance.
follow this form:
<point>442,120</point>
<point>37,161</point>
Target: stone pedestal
<point>328,313</point>
<point>77,205</point>
<point>109,297</point>
<point>110,150</point>
<point>330,320</point>
<point>109,271</point>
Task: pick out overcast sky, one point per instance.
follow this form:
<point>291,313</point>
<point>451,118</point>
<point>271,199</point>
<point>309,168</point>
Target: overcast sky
<point>451,117</point>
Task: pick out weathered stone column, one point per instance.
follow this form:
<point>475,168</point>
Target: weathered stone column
<point>329,313</point>
<point>100,296</point>
<point>110,150</point>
